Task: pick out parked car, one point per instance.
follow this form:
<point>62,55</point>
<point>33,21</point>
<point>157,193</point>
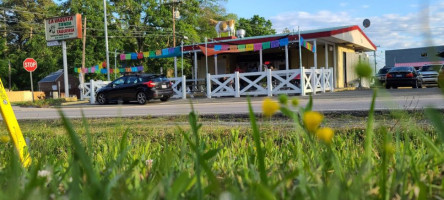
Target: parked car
<point>403,76</point>
<point>379,77</point>
<point>429,74</point>
<point>140,88</point>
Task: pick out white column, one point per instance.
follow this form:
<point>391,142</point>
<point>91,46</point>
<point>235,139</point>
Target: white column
<point>215,64</point>
<point>236,84</point>
<point>322,80</point>
<point>209,86</point>
<point>332,88</point>
<point>302,82</point>
<point>260,60</point>
<point>313,80</point>
<point>286,57</point>
<point>269,83</point>
<point>184,87</point>
<point>315,55</point>
<point>92,93</point>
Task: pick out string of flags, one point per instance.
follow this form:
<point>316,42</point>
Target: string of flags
<point>162,53</point>
<point>308,45</point>
<point>101,69</point>
<point>218,49</point>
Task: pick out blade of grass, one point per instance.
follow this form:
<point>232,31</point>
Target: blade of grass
<point>257,141</point>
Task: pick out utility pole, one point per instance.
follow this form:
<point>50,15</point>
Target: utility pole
<point>106,40</point>
<point>82,75</point>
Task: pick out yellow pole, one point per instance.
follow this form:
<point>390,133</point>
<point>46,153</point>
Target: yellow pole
<point>13,127</point>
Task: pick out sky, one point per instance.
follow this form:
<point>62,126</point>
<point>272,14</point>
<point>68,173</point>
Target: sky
<point>395,24</point>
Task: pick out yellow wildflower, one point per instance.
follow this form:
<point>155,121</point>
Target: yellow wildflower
<point>312,120</point>
<point>5,138</point>
<point>269,107</point>
<point>325,134</point>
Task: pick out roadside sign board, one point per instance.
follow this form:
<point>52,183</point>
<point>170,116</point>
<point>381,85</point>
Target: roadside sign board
<point>53,43</point>
<point>63,28</point>
<point>13,127</point>
<point>30,64</point>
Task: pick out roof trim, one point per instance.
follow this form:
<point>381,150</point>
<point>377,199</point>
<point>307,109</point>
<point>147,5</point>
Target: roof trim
<point>310,34</point>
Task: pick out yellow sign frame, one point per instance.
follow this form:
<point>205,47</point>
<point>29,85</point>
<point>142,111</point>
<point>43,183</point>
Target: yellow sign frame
<point>13,127</point>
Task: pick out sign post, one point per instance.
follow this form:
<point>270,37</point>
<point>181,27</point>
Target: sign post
<point>63,28</point>
<point>30,65</point>
<point>13,127</point>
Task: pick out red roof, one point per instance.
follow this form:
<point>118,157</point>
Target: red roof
<point>292,36</point>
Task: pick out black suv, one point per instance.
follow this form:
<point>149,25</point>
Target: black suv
<point>140,88</point>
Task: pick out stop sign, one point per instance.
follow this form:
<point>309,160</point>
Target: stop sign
<point>30,64</point>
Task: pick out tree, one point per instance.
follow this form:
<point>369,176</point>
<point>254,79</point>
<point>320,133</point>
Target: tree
<point>286,30</point>
<point>256,26</point>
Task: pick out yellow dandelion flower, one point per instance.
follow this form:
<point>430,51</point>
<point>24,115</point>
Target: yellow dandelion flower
<point>269,107</point>
<point>325,134</point>
<point>312,120</point>
<point>4,138</point>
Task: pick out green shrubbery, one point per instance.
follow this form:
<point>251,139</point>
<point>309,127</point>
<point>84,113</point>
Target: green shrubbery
<point>41,103</point>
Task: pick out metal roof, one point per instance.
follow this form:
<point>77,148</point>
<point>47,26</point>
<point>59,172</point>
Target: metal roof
<point>52,77</point>
<point>325,33</point>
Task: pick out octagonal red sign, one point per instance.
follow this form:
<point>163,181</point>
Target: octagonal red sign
<point>30,64</point>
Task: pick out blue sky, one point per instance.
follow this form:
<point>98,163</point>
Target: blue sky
<point>395,24</point>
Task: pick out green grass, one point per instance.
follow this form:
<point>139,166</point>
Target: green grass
<point>201,158</point>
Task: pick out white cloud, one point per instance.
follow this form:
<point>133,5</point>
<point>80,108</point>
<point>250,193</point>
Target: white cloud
<point>389,31</point>
<point>365,6</point>
<point>343,4</point>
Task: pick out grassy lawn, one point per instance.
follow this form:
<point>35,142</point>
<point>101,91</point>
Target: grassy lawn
<point>175,158</point>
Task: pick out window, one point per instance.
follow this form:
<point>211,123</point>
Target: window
<point>131,80</point>
<point>119,81</point>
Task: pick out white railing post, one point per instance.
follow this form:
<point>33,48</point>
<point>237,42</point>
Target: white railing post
<point>269,83</point>
<point>236,84</point>
<point>332,87</point>
<point>184,85</point>
<point>82,91</point>
<point>209,86</point>
<point>313,80</point>
<point>302,81</point>
<point>323,79</point>
<point>92,93</point>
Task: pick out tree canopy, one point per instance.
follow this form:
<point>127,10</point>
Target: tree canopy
<point>133,26</point>
<point>256,26</point>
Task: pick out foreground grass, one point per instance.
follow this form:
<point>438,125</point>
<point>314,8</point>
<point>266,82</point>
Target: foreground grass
<point>166,158</point>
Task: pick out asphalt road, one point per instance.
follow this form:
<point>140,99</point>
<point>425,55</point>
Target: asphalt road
<point>344,101</point>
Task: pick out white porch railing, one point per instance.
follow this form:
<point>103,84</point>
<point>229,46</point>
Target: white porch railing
<point>89,90</point>
<point>270,83</point>
<point>178,85</point>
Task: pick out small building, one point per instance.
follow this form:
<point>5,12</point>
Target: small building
<point>339,48</point>
<point>415,57</point>
<point>53,85</point>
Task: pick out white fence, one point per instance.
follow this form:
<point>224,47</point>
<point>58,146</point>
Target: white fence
<point>267,83</point>
<point>89,90</point>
